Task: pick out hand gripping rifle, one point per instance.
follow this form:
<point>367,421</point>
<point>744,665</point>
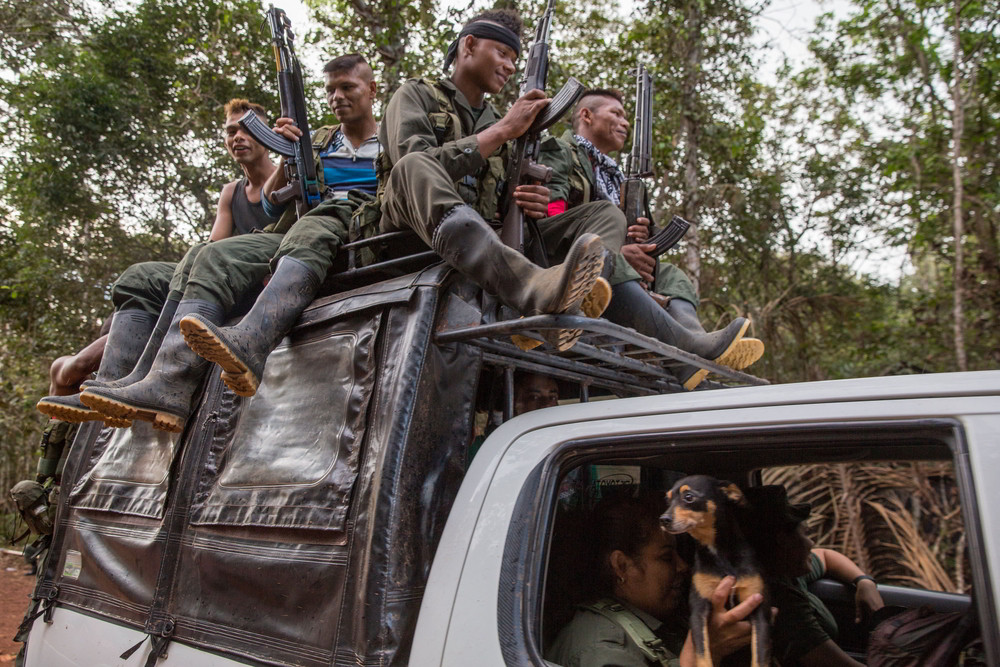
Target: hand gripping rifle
<point>300,165</point>
<point>639,164</point>
<point>522,165</point>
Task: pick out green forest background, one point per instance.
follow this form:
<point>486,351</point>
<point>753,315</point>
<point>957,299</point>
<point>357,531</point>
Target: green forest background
<point>884,143</point>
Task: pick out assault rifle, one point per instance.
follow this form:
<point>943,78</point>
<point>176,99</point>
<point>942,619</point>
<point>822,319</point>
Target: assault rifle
<point>300,165</point>
<point>639,164</point>
<point>522,165</point>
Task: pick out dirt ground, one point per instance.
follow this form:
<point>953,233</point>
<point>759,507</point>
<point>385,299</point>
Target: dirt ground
<point>15,589</point>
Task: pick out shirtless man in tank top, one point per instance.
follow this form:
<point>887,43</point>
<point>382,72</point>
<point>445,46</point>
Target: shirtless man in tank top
<point>240,210</point>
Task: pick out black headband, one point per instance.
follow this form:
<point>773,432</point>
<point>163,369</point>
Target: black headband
<point>486,30</point>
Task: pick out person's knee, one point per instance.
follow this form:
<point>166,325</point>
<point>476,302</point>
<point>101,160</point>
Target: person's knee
<point>609,223</point>
<point>138,284</point>
<point>418,161</point>
<point>133,277</point>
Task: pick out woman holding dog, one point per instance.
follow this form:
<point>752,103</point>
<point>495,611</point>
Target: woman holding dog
<point>639,618</point>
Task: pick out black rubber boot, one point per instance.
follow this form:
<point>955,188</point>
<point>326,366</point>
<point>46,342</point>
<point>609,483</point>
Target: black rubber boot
<point>130,329</point>
<point>631,306</point>
<point>148,353</point>
<point>746,350</point>
<point>166,395</point>
<point>242,350</point>
<point>464,240</point>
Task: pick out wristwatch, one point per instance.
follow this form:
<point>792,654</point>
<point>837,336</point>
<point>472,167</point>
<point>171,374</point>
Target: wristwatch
<point>860,577</point>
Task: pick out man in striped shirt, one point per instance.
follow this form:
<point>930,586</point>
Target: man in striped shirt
<point>346,152</point>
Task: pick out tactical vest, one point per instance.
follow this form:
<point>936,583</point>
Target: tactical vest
<point>580,187</point>
<point>480,191</point>
<point>651,646</point>
<point>321,138</point>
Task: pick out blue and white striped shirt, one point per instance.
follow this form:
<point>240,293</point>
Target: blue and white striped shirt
<point>344,168</point>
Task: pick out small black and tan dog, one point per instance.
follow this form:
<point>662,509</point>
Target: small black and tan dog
<point>707,509</point>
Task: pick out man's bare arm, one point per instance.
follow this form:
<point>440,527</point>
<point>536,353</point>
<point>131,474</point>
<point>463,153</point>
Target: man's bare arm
<point>223,227</point>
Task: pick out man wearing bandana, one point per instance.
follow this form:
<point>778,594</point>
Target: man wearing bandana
<point>584,171</point>
<point>442,167</point>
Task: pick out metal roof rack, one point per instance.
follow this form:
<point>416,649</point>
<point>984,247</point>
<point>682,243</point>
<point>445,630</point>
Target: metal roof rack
<point>607,355</point>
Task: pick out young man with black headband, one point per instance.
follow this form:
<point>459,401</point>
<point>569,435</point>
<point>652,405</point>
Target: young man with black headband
<point>442,166</point>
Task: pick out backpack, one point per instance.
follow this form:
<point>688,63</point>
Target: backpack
<point>921,637</point>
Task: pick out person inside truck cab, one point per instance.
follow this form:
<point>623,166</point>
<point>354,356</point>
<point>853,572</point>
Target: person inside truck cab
<point>640,598</point>
<point>657,301</point>
<point>298,254</point>
<point>804,630</point>
<point>532,391</point>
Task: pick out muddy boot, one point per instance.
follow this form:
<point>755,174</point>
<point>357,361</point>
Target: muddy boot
<point>242,350</point>
<point>631,306</point>
<point>593,305</point>
<point>166,395</point>
<point>149,352</point>
<point>742,354</point>
<point>466,242</point>
<point>130,329</point>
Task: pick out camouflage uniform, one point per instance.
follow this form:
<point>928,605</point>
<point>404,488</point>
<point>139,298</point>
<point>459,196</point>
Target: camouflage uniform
<point>431,163</point>
<point>592,639</point>
<point>573,182</point>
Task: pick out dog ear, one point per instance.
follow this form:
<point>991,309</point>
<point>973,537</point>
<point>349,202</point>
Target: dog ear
<point>732,492</point>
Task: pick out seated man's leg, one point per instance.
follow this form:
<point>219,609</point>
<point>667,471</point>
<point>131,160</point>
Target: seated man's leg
<point>682,305</point>
<point>420,196</point>
<point>598,217</point>
<point>631,305</point>
<point>169,291</point>
<point>143,286</point>
<point>298,269</point>
<point>673,283</point>
<point>138,295</point>
<point>222,272</point>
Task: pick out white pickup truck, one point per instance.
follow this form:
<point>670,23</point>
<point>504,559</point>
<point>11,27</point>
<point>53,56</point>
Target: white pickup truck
<point>331,520</point>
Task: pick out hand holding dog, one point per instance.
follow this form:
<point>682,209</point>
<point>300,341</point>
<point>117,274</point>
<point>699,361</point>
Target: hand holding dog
<point>728,629</point>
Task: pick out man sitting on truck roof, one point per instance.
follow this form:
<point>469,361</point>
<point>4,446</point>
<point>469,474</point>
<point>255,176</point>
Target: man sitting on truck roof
<point>227,272</point>
<point>583,171</point>
<point>146,293</point>
<point>442,168</point>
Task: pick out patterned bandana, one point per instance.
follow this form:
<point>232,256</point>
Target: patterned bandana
<point>607,175</point>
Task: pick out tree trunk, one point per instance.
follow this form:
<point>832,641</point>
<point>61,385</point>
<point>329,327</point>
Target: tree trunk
<point>957,130</point>
<point>691,128</point>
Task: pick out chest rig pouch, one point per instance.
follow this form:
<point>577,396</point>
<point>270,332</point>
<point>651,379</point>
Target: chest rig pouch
<point>481,190</point>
